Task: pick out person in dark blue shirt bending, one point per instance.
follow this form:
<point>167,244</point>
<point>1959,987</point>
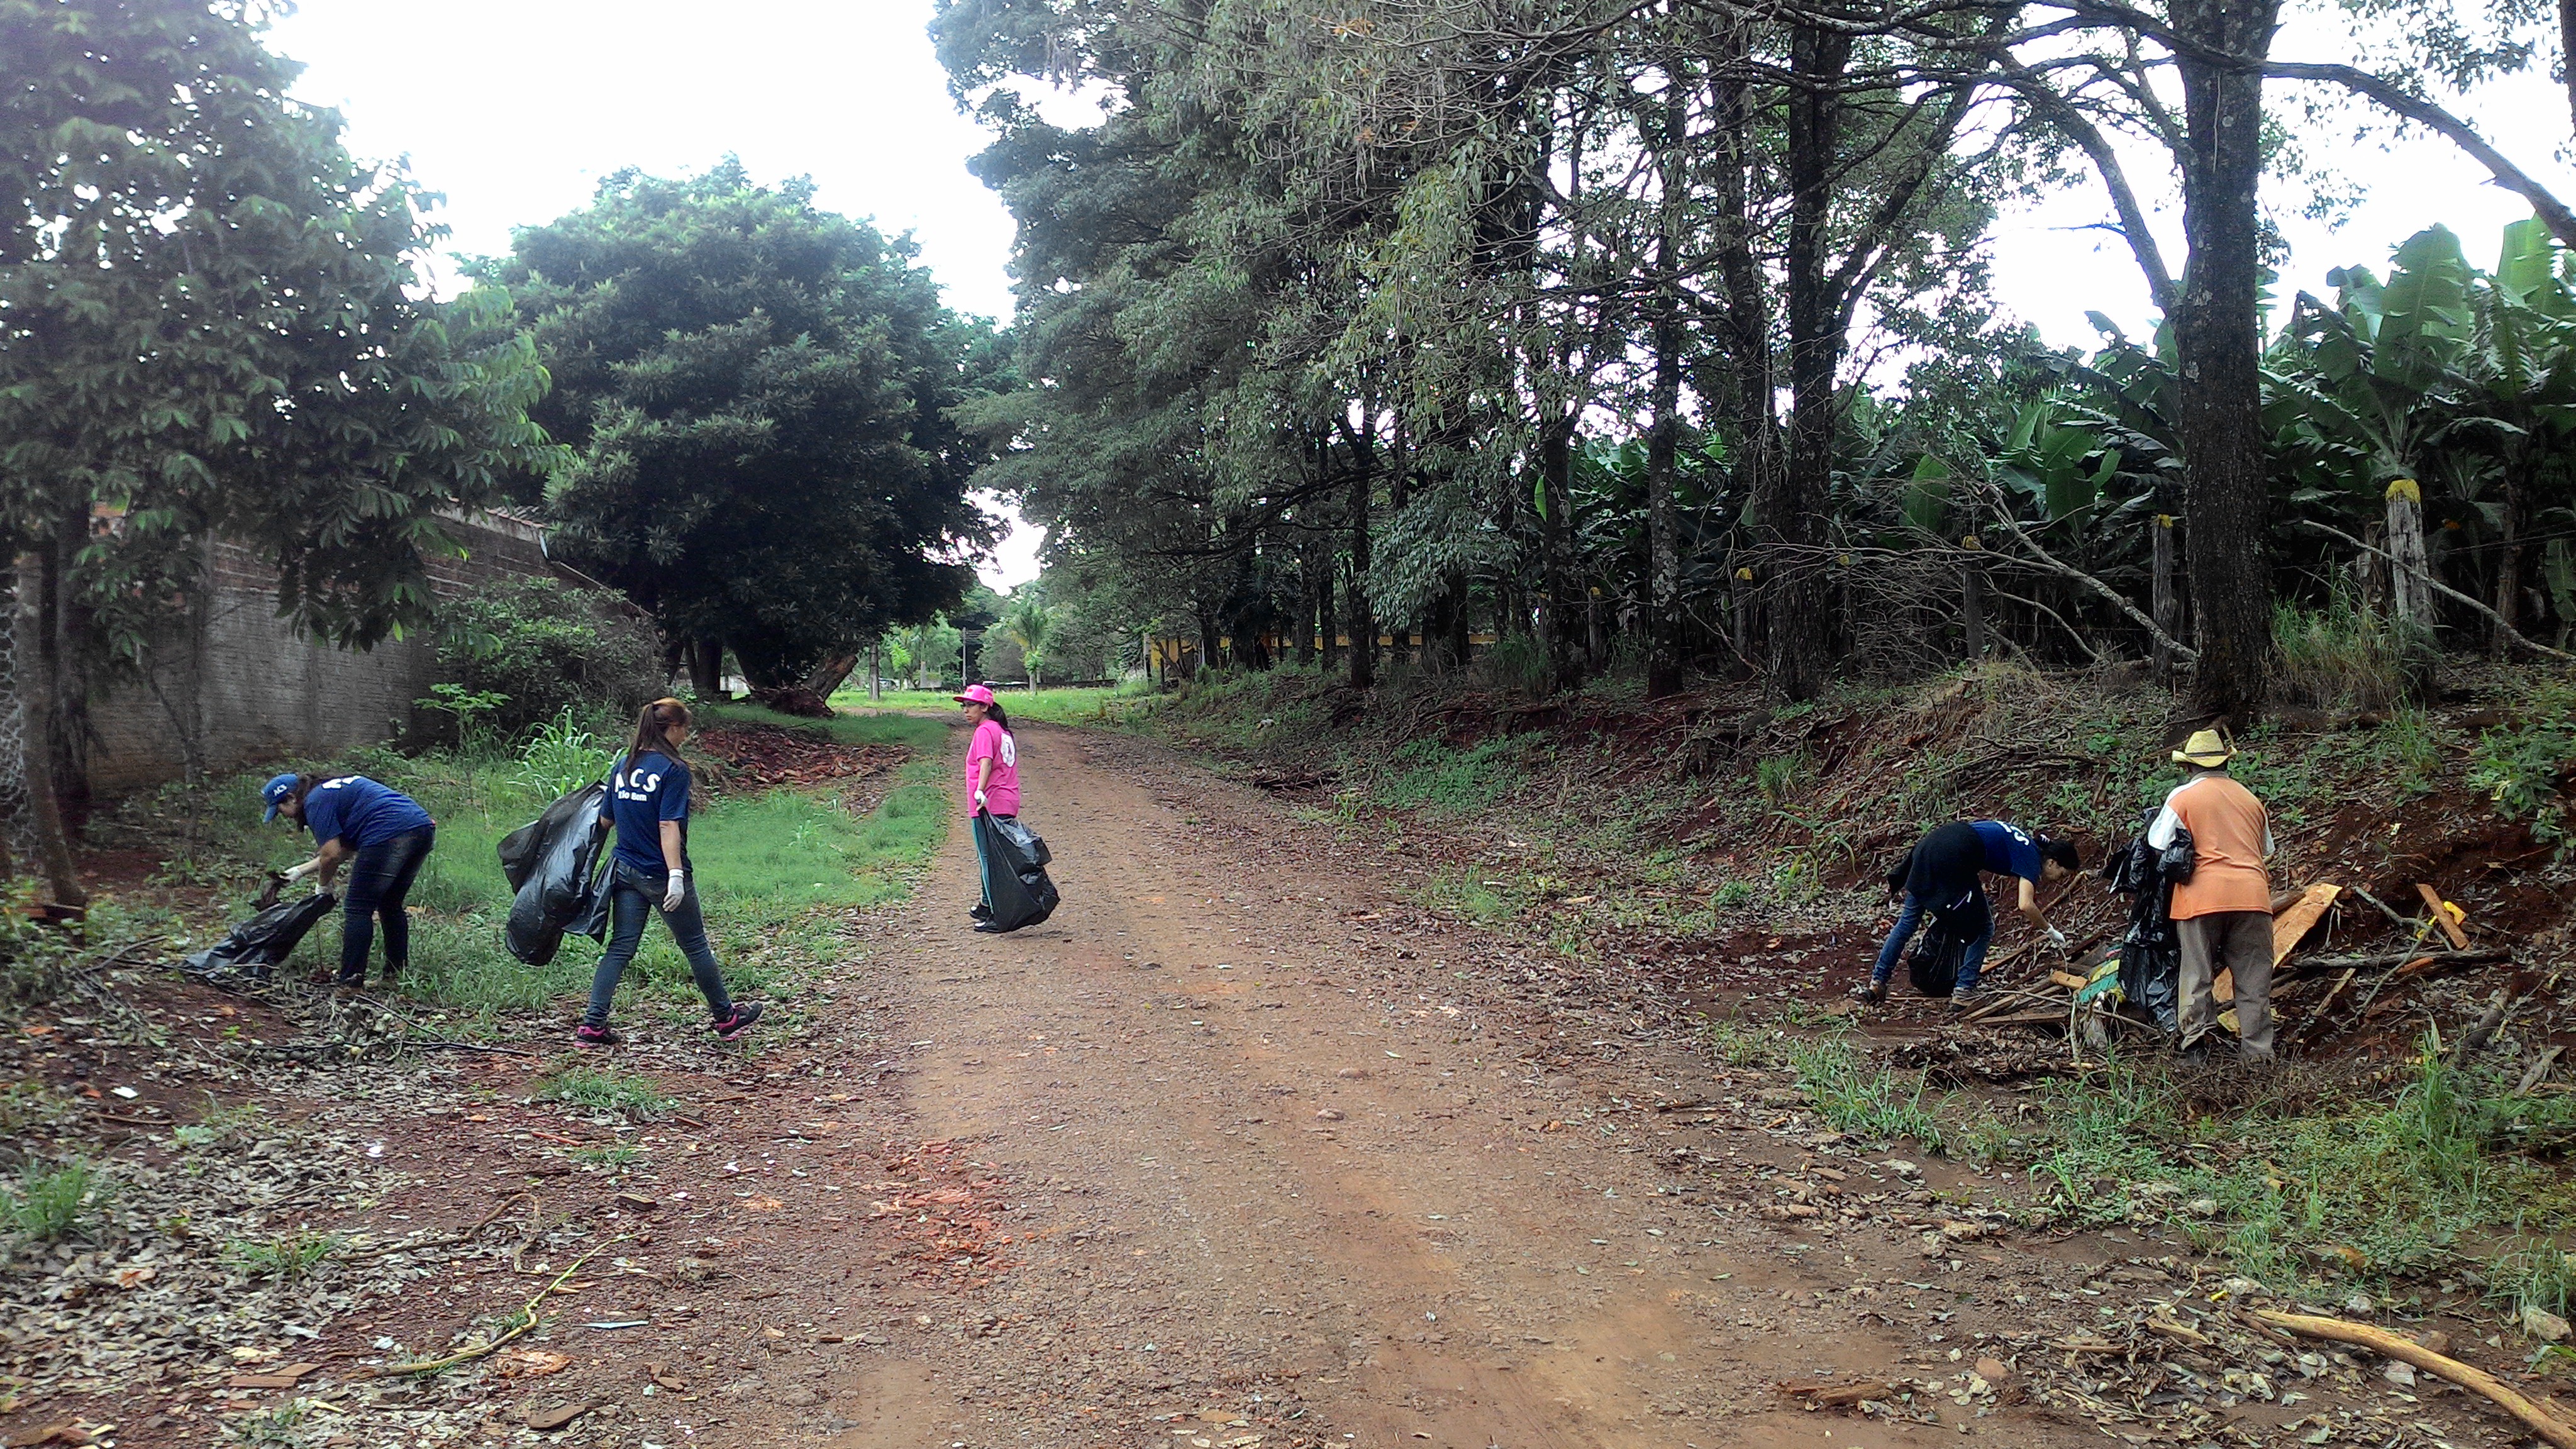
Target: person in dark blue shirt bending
<point>648,803</point>
<point>1944,875</point>
<point>385,836</point>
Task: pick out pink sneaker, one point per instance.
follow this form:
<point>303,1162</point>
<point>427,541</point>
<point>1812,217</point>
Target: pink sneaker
<point>589,1035</point>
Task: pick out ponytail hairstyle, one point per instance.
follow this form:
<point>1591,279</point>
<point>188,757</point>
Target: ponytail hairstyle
<point>2061,851</point>
<point>652,728</point>
<point>998,715</point>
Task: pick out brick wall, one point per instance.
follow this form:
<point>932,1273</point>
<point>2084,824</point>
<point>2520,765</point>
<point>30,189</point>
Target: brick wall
<point>257,692</point>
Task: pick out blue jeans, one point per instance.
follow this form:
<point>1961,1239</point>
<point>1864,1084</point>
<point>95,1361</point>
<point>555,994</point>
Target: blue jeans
<point>633,896</point>
<point>380,876</point>
<point>1908,919</point>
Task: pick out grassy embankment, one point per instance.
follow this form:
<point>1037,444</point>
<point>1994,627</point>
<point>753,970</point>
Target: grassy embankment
<point>1609,825</point>
<point>779,868</point>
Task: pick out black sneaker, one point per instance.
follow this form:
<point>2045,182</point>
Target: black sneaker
<point>982,912</point>
<point>745,1014</point>
<point>1872,992</point>
<point>589,1035</point>
<point>988,928</point>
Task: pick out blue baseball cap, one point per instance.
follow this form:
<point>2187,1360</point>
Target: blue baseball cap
<point>276,792</point>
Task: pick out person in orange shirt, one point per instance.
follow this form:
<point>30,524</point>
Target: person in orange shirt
<point>2224,912</point>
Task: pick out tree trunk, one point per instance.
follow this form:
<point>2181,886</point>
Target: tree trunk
<point>2218,344</point>
<point>2410,581</point>
<point>2567,48</point>
<point>1748,320</point>
<point>876,673</point>
<point>1799,620</point>
<point>1663,437</point>
<point>32,700</point>
<point>2509,561</point>
<point>829,675</point>
<point>1363,621</point>
<point>2166,599</point>
<point>706,668</point>
<point>1972,610</point>
<point>65,623</point>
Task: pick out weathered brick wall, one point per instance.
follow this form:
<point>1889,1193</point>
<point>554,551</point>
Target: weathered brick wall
<point>256,692</point>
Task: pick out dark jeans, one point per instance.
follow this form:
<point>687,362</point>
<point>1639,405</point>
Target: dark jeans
<point>380,876</point>
<point>633,895</point>
<point>1972,961</point>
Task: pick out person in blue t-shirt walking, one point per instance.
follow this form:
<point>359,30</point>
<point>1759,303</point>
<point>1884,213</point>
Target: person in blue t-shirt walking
<point>648,804</point>
<point>1945,875</point>
<point>383,834</point>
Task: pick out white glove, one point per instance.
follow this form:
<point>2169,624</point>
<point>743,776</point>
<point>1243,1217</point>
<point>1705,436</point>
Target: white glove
<point>2057,938</point>
<point>979,799</point>
<point>677,891</point>
<point>299,872</point>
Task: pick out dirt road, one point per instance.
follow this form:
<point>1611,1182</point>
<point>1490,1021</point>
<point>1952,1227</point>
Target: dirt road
<point>1242,1148</point>
<point>1277,1163</point>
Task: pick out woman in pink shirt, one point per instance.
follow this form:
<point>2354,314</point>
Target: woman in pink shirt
<point>992,771</point>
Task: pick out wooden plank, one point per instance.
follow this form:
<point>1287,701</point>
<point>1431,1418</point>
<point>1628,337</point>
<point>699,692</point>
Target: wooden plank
<point>2291,926</point>
<point>2069,980</point>
<point>2445,915</point>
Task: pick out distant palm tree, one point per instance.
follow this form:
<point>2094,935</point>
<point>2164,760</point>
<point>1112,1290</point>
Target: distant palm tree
<point>1029,622</point>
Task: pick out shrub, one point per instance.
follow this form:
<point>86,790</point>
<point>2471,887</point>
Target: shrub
<point>562,757</point>
<point>545,648</point>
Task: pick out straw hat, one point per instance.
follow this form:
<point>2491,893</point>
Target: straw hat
<point>2206,748</point>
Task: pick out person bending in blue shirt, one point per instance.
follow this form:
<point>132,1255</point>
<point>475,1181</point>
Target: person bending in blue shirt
<point>648,804</point>
<point>383,834</point>
<point>1945,874</point>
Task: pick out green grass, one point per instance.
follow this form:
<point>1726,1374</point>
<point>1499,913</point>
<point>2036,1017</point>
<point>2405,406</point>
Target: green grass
<point>1441,779</point>
<point>1858,1098</point>
<point>777,872</point>
<point>286,1258</point>
<point>582,1085</point>
<point>1048,706</point>
<point>49,1206</point>
<point>611,1158</point>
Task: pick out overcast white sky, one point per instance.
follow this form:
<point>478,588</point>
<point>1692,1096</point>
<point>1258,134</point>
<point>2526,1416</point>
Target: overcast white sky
<point>515,110</point>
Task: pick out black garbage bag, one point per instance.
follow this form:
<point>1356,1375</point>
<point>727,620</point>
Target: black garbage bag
<point>1015,878</point>
<point>264,940</point>
<point>553,862</point>
<point>2151,953</point>
<point>1933,965</point>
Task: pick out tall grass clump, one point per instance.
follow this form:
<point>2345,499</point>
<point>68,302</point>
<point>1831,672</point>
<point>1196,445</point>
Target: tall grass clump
<point>582,1085</point>
<point>49,1205</point>
<point>2342,657</point>
<point>1859,1098</point>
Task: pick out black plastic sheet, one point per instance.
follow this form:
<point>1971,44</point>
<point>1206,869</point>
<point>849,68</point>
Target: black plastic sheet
<point>1015,879</point>
<point>265,939</point>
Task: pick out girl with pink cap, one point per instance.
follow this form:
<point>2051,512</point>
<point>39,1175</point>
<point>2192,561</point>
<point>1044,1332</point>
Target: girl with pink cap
<point>992,772</point>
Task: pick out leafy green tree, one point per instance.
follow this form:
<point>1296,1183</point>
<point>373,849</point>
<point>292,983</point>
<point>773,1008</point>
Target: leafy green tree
<point>1031,625</point>
<point>760,396</point>
<point>208,325</point>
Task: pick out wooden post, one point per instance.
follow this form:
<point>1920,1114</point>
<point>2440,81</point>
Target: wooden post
<point>1972,609</point>
<point>2410,586</point>
<point>2166,602</point>
<point>875,673</point>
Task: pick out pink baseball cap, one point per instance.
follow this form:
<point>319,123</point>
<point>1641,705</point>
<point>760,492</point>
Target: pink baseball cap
<point>976,694</point>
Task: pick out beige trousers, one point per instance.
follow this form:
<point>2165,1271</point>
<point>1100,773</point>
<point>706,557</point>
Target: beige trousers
<point>2238,941</point>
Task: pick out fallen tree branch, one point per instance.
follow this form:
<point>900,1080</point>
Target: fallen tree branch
<point>2478,956</point>
<point>2047,560</point>
<point>2388,1345</point>
<point>525,1319</point>
<point>2447,591</point>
